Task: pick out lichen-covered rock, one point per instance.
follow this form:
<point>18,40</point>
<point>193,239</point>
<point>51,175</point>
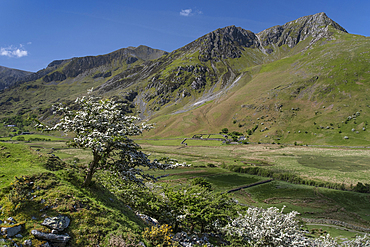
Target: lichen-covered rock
<point>56,240</point>
<point>58,223</point>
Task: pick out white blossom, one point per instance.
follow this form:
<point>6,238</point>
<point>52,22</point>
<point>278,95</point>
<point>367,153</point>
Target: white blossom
<point>271,227</point>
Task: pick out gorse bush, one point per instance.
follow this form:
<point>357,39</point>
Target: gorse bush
<point>159,236</point>
<point>202,183</point>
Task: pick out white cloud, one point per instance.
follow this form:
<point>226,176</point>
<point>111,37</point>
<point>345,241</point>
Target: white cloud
<point>20,53</point>
<point>186,12</point>
<point>12,51</point>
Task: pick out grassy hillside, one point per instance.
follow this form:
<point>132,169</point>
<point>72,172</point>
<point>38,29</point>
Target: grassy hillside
<point>314,96</point>
<point>34,186</point>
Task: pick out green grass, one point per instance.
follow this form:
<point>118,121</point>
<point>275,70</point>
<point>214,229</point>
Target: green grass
<point>18,160</point>
<point>340,233</point>
<point>224,182</point>
<point>311,202</point>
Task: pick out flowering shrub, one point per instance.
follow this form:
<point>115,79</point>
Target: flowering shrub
<point>259,227</point>
<point>271,227</point>
<point>103,127</point>
<point>159,236</point>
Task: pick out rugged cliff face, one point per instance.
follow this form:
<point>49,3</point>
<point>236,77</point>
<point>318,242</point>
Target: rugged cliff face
<point>228,42</point>
<point>296,31</point>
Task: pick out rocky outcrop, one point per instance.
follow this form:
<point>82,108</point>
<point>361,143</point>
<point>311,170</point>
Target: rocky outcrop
<point>296,31</point>
<point>104,75</point>
<point>56,76</point>
<point>58,223</point>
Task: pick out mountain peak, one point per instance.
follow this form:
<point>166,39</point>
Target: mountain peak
<point>319,19</point>
<point>227,42</point>
<point>298,30</point>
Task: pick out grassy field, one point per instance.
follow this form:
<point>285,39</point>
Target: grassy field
<point>347,166</point>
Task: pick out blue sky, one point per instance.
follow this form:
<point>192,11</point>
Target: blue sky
<point>34,33</point>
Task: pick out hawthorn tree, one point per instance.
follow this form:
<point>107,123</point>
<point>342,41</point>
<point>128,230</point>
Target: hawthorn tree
<point>102,126</point>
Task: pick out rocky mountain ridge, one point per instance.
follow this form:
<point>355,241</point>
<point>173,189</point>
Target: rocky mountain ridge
<point>60,70</point>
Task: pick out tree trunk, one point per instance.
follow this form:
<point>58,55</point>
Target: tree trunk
<point>92,168</point>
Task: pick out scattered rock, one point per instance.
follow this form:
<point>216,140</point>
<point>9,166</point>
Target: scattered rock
<point>11,231</point>
<point>346,137</point>
<point>46,245</point>
<point>148,219</point>
<point>58,223</point>
<point>27,242</point>
<point>18,236</point>
<point>11,219</point>
<point>185,240</point>
<point>55,239</point>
